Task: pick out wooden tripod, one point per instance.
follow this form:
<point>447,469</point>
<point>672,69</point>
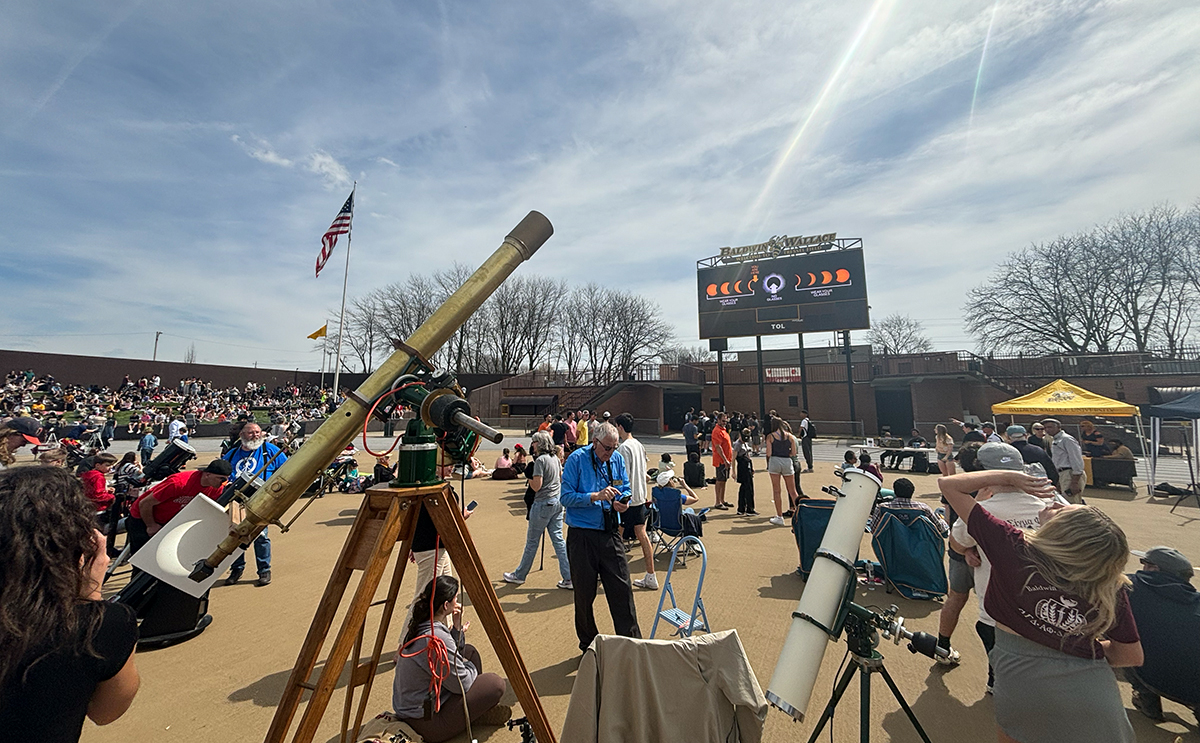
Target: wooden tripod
<point>387,516</point>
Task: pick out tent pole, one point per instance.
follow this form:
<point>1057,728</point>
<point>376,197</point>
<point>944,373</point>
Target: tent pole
<point>1145,453</point>
<point>1155,437</point>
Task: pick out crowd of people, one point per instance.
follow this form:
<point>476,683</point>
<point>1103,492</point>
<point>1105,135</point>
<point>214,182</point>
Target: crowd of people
<point>1057,613</point>
<point>150,403</point>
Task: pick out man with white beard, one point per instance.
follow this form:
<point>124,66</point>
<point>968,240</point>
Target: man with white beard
<point>247,459</point>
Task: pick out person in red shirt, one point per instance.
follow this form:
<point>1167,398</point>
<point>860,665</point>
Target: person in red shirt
<point>95,484</point>
<point>1063,620</point>
<point>161,503</point>
<point>722,449</point>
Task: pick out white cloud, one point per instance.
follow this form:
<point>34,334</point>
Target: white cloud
<point>262,152</point>
<point>334,173</point>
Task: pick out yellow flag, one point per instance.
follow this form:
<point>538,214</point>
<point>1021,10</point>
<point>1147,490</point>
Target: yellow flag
<point>320,333</point>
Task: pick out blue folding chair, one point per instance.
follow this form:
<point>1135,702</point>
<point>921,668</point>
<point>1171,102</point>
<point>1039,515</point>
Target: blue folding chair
<point>684,624</point>
<point>809,524</point>
<point>912,553</point>
<point>668,522</point>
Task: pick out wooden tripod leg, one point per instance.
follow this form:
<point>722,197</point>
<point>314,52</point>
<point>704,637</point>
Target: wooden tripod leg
<point>367,677</point>
<point>452,530</point>
<point>356,613</point>
<point>297,683</point>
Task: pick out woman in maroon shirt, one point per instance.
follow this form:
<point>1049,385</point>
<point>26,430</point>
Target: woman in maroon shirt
<point>1058,597</point>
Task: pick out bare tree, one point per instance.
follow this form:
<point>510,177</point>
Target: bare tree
<point>1044,298</point>
<point>189,356</point>
<point>681,354</point>
<point>898,334</point>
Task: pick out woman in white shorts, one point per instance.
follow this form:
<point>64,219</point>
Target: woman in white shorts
<point>781,447</point>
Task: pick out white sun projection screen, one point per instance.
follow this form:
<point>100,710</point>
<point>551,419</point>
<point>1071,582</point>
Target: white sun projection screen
<point>815,292</point>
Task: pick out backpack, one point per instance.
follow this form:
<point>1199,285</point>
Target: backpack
<point>812,430</point>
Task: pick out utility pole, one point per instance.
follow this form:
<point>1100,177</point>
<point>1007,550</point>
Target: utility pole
<point>156,334</point>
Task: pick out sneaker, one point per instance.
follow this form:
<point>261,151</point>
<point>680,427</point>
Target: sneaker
<point>568,585</point>
<point>495,716</point>
<point>741,513</point>
<point>264,579</point>
<point>777,520</point>
<point>751,512</point>
<point>655,538</point>
<point>952,660</point>
<point>512,578</point>
<point>650,582</point>
<point>234,577</point>
<point>789,513</point>
<point>988,689</point>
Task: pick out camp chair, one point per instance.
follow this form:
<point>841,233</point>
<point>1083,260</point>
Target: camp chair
<point>808,524</point>
<point>684,624</point>
<point>912,552</point>
<point>668,522</point>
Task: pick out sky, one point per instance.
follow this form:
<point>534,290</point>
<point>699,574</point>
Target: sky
<point>170,167</point>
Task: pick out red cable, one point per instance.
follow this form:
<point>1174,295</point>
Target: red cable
<point>371,412</point>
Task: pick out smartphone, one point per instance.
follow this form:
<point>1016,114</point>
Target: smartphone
<point>472,504</point>
<point>626,498</point>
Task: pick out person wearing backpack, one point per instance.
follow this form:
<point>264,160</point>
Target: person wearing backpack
<point>807,431</point>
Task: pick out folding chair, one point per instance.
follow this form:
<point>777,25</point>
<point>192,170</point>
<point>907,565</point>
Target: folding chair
<point>684,624</point>
<point>668,510</point>
<point>809,524</point>
<point>912,553</point>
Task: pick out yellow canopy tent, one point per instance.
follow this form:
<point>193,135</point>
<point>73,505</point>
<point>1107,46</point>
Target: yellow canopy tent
<point>1060,397</point>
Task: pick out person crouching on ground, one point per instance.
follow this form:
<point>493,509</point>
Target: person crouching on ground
<point>1063,619</point>
<point>435,644</point>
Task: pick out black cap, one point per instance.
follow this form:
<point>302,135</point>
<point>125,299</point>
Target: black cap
<point>219,467</point>
<point>28,427</point>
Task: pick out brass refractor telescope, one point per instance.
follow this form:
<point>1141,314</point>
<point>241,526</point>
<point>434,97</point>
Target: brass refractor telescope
<point>271,501</point>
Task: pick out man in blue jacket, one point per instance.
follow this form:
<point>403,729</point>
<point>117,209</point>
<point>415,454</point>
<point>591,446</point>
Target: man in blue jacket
<point>1167,609</point>
<point>247,459</point>
<point>595,492</point>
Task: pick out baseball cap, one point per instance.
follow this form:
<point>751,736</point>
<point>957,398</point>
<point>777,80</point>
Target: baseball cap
<point>27,427</point>
<point>989,424</point>
<point>998,456</point>
<point>664,478</point>
<point>607,415</point>
<point>1015,432</point>
<point>219,467</point>
<point>1168,560</point>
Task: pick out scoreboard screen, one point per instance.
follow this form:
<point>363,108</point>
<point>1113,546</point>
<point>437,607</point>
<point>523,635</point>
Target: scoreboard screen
<point>809,293</point>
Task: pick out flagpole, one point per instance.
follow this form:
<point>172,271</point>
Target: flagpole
<point>324,353</point>
<point>337,369</point>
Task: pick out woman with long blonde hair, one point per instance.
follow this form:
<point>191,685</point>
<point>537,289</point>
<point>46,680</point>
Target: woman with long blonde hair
<point>1062,614</point>
<point>944,444</point>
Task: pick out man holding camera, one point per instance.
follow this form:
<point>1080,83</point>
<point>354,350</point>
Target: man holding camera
<point>595,491</point>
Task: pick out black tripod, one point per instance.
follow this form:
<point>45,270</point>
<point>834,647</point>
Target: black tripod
<point>862,635</point>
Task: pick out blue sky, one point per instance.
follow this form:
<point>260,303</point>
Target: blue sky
<point>171,166</point>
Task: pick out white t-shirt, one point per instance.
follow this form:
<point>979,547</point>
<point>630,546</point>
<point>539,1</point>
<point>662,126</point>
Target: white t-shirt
<point>177,429</point>
<point>634,455</point>
<point>1019,509</point>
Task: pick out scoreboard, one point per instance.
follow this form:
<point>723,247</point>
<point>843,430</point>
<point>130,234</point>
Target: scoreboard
<point>807,293</point>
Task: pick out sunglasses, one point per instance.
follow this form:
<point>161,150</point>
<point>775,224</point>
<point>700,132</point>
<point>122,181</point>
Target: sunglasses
<point>605,447</point>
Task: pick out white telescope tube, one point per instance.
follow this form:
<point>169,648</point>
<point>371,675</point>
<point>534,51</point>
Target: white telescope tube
<point>800,660</point>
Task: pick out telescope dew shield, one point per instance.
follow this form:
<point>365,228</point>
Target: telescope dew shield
<point>294,476</point>
<point>800,659</point>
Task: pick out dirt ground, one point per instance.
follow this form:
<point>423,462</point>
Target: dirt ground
<point>224,684</point>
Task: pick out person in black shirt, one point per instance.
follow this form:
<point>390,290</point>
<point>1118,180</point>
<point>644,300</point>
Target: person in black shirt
<point>64,653</point>
<point>384,472</point>
<point>1031,454</point>
<point>971,432</point>
<point>558,429</point>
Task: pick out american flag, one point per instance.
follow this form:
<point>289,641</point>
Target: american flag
<point>340,226</point>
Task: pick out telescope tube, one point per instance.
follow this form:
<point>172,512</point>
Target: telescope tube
<point>295,475</point>
<point>800,660</point>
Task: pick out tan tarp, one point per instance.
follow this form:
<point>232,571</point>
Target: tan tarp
<point>1060,397</point>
